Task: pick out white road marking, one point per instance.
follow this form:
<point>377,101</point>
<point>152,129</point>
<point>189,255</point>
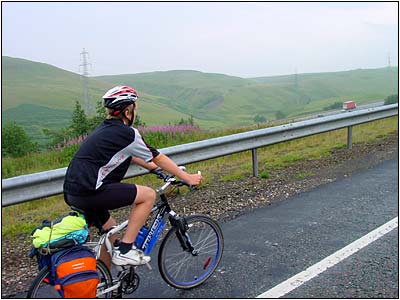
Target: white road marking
<point>313,271</point>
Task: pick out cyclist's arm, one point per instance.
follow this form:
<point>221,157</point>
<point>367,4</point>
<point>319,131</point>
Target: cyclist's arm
<point>149,166</point>
<point>165,163</point>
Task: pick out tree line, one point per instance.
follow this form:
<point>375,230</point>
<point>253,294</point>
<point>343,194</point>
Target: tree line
<point>17,143</point>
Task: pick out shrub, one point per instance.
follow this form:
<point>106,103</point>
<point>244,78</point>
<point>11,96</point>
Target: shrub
<point>15,141</point>
<point>79,124</point>
<point>334,106</point>
<point>392,99</point>
<point>259,119</point>
<point>279,115</point>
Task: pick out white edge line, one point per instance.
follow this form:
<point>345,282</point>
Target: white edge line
<point>302,277</point>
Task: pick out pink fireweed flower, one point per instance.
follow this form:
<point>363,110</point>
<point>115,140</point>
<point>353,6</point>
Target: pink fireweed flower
<point>70,142</point>
<point>168,129</point>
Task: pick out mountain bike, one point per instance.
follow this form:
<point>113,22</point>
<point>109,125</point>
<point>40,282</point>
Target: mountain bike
<point>189,253</point>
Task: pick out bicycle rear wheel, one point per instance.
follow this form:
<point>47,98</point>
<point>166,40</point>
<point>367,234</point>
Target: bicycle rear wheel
<point>182,269</point>
<point>40,288</point>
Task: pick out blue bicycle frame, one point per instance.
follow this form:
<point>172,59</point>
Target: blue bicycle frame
<point>147,237</point>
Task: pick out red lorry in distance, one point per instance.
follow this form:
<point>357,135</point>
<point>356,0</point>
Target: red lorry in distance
<point>349,105</point>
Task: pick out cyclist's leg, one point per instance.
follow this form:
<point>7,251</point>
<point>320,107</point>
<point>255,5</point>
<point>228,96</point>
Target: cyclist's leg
<point>96,208</point>
<point>102,220</point>
<point>143,203</point>
<point>116,195</point>
<point>105,257</point>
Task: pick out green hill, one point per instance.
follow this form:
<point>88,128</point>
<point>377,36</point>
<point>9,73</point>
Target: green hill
<point>51,93</point>
<point>215,100</point>
<point>235,100</point>
<point>31,82</point>
<point>191,92</point>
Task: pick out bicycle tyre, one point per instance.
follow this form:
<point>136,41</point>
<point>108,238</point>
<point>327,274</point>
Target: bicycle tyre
<point>180,268</point>
<point>41,290</point>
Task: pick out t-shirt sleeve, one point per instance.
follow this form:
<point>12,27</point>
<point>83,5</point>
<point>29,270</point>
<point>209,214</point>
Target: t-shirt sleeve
<point>139,148</point>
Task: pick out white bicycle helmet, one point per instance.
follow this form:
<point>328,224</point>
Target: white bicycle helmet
<point>119,97</point>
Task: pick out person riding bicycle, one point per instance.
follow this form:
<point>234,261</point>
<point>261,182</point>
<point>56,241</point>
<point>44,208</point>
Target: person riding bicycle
<point>93,178</point>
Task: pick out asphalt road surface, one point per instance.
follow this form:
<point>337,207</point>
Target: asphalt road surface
<point>269,245</point>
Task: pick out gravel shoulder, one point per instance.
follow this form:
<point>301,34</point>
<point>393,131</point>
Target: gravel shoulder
<point>225,201</point>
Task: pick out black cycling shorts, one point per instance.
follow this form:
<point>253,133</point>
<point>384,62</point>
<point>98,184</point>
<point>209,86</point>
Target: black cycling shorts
<point>96,206</point>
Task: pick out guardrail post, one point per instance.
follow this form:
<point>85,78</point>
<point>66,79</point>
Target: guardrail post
<point>349,137</point>
<point>255,161</point>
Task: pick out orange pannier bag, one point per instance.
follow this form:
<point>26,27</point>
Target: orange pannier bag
<point>75,273</point>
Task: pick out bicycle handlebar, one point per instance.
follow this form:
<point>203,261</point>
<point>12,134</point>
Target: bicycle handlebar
<point>170,178</point>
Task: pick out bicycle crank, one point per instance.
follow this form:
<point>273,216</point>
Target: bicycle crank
<point>130,282</point>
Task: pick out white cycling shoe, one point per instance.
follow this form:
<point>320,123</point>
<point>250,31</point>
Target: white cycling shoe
<point>133,257</point>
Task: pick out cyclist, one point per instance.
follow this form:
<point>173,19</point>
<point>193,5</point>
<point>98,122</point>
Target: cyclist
<point>93,179</point>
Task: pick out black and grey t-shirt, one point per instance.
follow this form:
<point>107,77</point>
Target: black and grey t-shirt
<point>104,157</point>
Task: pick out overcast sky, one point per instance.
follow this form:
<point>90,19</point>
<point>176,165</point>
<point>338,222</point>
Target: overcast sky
<point>240,39</point>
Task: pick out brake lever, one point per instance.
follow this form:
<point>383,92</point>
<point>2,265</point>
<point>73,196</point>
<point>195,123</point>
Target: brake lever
<point>193,188</point>
<point>168,177</point>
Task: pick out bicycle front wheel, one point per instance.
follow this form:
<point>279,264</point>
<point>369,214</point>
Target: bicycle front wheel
<point>42,288</point>
<point>183,269</point>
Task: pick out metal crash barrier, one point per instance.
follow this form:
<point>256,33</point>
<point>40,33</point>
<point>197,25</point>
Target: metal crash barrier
<point>44,184</point>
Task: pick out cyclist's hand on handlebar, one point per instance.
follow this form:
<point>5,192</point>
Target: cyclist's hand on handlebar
<point>187,179</point>
<point>194,179</point>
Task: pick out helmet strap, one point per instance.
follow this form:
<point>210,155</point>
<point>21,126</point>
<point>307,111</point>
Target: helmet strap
<point>130,121</point>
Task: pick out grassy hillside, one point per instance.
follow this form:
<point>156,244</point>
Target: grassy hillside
<point>235,101</point>
<point>190,92</point>
<point>38,95</point>
<point>215,100</point>
<point>33,118</point>
<point>25,81</point>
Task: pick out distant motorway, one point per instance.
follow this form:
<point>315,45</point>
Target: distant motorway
<point>339,111</point>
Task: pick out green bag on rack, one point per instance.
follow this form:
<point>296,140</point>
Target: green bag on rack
<point>64,232</point>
